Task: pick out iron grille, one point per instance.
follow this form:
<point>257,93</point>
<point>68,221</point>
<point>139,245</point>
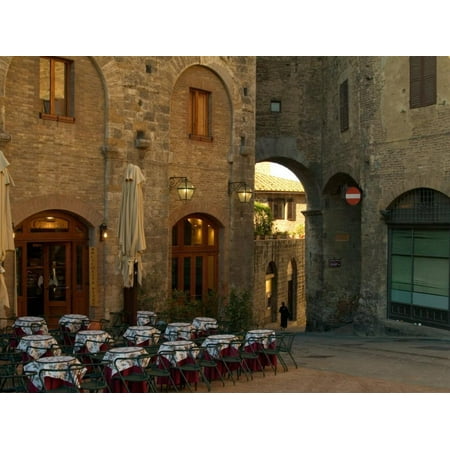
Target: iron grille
<point>424,206</point>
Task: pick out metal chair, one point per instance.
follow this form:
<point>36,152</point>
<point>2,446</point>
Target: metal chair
<point>93,381</point>
<point>135,378</point>
<point>160,370</point>
<point>232,361</point>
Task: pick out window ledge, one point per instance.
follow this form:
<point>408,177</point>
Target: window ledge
<point>56,118</point>
<point>196,137</point>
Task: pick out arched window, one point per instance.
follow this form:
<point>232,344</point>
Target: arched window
<point>419,255</point>
<point>195,250</point>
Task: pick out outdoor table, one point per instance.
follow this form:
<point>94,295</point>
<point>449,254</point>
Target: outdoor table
<point>216,345</point>
<point>182,354</point>
<point>35,346</point>
<point>145,318</point>
<point>53,379</point>
<point>126,366</point>
<point>178,330</point>
<point>91,341</point>
<point>141,335</point>
<point>256,340</point>
<point>74,322</point>
<point>71,324</point>
<point>30,325</point>
<point>204,325</point>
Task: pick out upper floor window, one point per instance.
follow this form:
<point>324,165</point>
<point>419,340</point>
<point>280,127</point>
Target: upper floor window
<point>343,103</point>
<point>422,81</point>
<point>275,106</point>
<point>55,89</point>
<point>200,114</point>
<point>277,207</point>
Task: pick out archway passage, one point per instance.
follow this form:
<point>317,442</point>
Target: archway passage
<point>52,266</point>
<point>195,250</point>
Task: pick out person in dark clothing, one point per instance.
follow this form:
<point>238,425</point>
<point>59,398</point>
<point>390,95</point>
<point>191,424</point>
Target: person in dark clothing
<point>284,315</point>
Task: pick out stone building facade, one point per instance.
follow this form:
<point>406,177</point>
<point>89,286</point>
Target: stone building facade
<point>379,124</point>
<point>69,126</point>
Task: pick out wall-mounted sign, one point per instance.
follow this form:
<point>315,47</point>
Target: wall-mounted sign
<point>334,262</point>
<point>352,195</point>
<point>93,285</point>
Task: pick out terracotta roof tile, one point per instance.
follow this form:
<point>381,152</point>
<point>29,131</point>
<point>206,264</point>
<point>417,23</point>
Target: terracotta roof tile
<point>269,183</point>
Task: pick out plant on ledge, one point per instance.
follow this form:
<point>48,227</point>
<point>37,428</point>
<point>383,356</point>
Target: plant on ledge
<point>262,219</point>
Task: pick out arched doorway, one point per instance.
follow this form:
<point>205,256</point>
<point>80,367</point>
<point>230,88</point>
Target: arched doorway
<point>271,291</point>
<point>52,266</point>
<point>195,251</point>
<point>292,288</point>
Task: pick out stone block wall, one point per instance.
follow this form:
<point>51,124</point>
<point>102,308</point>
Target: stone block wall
<point>279,253</point>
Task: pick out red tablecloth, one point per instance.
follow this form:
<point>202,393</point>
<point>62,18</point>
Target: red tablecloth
<point>116,384</point>
<point>265,360</point>
<point>163,363</point>
<point>211,373</point>
<point>128,365</point>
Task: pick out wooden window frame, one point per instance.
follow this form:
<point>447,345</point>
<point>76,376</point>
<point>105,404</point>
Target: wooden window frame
<point>200,115</point>
<point>344,106</point>
<point>68,92</point>
<point>422,81</point>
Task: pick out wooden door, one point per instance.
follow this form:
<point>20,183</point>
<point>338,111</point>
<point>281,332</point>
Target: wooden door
<point>52,266</point>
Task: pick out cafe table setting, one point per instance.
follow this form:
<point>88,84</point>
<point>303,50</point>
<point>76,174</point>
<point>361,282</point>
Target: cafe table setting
<point>127,360</point>
<point>203,326</point>
<point>176,354</point>
<point>178,331</point>
<point>91,341</point>
<point>141,335</point>
<point>146,318</point>
<point>26,325</point>
<point>256,341</point>
<point>35,346</point>
<point>218,345</point>
<point>74,322</point>
<point>51,372</point>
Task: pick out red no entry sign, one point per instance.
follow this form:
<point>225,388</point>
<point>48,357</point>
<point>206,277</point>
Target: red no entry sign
<point>352,195</point>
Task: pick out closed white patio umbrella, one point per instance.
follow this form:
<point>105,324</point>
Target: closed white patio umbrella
<point>131,226</point>
<point>6,230</point>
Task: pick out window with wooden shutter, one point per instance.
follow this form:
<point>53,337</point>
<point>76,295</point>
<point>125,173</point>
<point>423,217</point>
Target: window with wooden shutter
<point>422,81</point>
<point>290,209</point>
<point>343,101</point>
<point>277,207</point>
<point>200,114</point>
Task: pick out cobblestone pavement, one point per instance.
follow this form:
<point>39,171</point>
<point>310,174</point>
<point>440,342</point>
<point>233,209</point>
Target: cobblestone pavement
<point>333,363</point>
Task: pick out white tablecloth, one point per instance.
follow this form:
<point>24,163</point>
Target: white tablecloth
<point>204,323</point>
<point>28,323</point>
<point>265,337</point>
<point>180,349</point>
<point>123,352</point>
<point>92,339</point>
<point>145,318</point>
<point>215,343</point>
<point>178,330</point>
<point>54,362</point>
<point>74,322</point>
<point>139,334</point>
<point>37,345</point>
